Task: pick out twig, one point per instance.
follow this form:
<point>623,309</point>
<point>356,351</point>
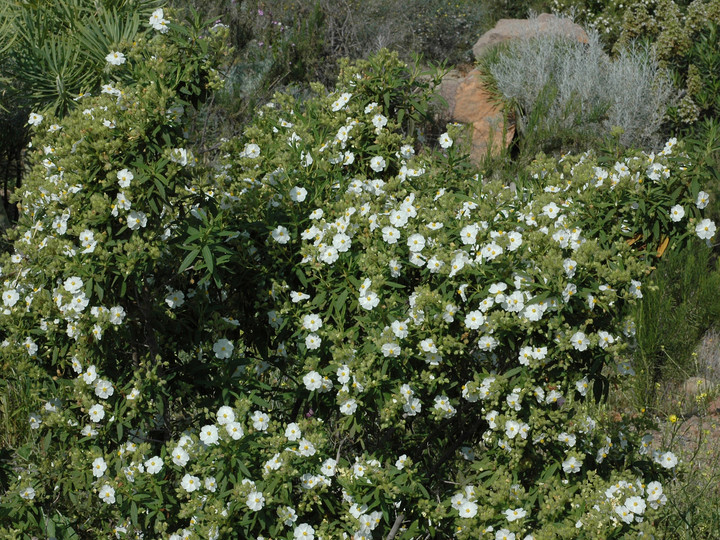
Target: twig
<point>395,527</point>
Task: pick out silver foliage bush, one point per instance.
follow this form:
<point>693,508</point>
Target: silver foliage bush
<point>559,84</point>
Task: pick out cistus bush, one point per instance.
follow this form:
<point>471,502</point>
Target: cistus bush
<point>337,333</point>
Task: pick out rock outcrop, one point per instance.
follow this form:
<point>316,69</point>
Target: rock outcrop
<point>470,103</point>
<point>507,29</point>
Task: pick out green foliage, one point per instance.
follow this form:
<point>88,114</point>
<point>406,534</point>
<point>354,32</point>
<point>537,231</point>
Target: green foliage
<point>685,39</point>
<point>60,47</point>
<point>680,303</point>
<point>338,330</point>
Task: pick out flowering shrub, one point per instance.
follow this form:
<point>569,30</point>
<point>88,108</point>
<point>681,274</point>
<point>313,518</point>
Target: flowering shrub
<point>336,334</point>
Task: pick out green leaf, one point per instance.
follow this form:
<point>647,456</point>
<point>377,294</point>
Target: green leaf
<point>188,260</point>
<point>209,261</point>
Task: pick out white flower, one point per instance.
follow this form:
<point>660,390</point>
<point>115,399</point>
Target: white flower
<point>635,504</point>
<point>255,500</point>
<point>73,284</point>
<point>99,467</point>
<point>567,438</point>
<point>572,465</point>
<point>90,374</point>
<point>379,121</point>
<point>136,220</point>
<point>677,212</point>
<point>209,435</point>
<point>348,406</point>
<point>514,514</point>
<point>624,513</point>
<point>251,151</point>
<point>668,460</point>
<point>416,242</point>
<point>28,493</point>
<point>154,465</point>
<point>235,430</point>
<point>329,255</point>
<point>190,483</point>
<point>313,381</point>
<point>225,415</point>
<point>504,534</point>
<point>181,156</point>
<point>35,119</point>
<point>223,348</point>
<point>328,467</point>
<point>445,141</point>
<point>468,509</point>
<point>341,101</point>
<point>705,229</point>
<point>292,432</point>
<point>304,532</point>
<point>377,164</point>
<point>96,412</point>
<point>474,320</point>
<point>107,494</point>
<point>390,234</point>
<point>298,297</point>
<point>117,315</point>
<point>312,322</point>
<point>298,194</point>
<point>511,428</point>
<point>582,386</point>
<point>180,456</point>
<point>551,210</point>
<point>104,389</point>
<point>260,420</point>
<point>35,420</point>
<point>10,297</point>
<point>211,484</point>
<point>158,22</point>
<point>175,299</point>
<point>124,177</point>
<point>115,58</point>
<point>407,151</point>
<point>306,448</point>
<point>369,300</point>
<point>312,342</point>
<point>468,234</point>
<point>390,350</point>
<point>580,341</point>
<point>702,199</point>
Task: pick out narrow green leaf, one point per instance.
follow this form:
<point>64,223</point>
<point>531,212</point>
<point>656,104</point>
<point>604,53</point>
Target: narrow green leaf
<point>188,260</point>
<point>209,261</point>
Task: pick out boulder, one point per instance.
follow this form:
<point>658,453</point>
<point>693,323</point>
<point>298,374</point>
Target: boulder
<point>507,29</point>
<point>470,103</point>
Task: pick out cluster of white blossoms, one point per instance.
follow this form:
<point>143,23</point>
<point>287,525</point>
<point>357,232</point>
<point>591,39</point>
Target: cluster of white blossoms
<point>409,310</point>
<point>409,232</point>
<point>158,22</point>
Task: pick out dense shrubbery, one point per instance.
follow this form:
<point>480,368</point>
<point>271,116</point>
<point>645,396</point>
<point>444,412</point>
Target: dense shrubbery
<point>336,332</point>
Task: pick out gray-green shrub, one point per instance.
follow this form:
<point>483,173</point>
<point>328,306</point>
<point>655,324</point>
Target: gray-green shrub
<point>566,92</point>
